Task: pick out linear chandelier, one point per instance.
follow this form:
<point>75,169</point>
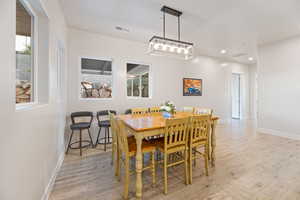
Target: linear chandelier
<point>170,47</point>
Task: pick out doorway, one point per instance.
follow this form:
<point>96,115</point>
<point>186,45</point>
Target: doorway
<point>236,96</point>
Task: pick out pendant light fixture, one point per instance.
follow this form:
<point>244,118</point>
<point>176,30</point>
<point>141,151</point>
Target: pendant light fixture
<point>170,47</point>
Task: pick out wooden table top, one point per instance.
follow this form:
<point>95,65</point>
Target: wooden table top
<point>151,121</point>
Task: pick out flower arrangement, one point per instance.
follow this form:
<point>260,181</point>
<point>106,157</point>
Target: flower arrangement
<point>168,107</point>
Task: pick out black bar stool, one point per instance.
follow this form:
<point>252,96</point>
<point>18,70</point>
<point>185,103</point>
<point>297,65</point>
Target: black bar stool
<point>103,122</point>
<point>80,126</point>
<point>127,112</point>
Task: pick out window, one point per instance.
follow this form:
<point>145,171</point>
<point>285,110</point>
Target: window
<point>96,78</point>
<point>24,54</point>
<point>137,80</point>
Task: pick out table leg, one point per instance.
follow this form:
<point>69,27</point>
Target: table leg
<point>139,166</point>
<point>213,142</point>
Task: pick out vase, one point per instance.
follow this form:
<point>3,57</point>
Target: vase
<point>166,114</point>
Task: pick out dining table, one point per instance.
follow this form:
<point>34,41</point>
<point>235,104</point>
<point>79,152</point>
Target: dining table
<point>153,124</point>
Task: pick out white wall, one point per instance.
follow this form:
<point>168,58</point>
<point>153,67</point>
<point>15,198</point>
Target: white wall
<point>253,91</point>
<point>167,75</point>
<point>30,141</point>
<point>279,88</point>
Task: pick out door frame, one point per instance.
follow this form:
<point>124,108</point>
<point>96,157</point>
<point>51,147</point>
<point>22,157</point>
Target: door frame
<point>240,95</point>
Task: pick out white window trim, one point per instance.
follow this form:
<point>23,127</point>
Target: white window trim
<point>150,80</point>
<point>34,44</point>
<point>80,78</point>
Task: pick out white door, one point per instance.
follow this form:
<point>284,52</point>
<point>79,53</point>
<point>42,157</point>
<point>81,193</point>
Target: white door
<point>236,96</point>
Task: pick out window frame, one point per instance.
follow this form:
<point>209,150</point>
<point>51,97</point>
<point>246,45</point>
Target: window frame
<point>80,78</point>
<point>149,80</point>
<point>34,59</point>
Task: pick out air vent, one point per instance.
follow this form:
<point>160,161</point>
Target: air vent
<point>119,28</point>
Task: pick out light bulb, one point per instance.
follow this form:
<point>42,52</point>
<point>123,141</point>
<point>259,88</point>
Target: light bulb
<point>164,47</point>
<point>172,48</point>
<point>186,51</point>
<point>179,50</point>
<point>156,46</point>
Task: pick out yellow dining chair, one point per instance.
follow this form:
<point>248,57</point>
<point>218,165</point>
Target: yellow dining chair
<point>139,111</point>
<point>114,137</point>
<point>114,131</point>
<point>206,111</point>
<point>198,138</point>
<point>174,141</point>
<point>126,150</point>
<point>154,109</point>
<point>188,109</point>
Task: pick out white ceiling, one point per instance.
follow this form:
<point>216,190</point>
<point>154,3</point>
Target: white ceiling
<point>235,25</point>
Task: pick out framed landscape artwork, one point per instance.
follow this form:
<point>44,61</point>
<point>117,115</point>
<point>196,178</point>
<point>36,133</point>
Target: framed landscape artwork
<point>192,87</point>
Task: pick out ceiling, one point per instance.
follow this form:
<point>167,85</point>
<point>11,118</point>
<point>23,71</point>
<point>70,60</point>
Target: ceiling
<point>235,25</point>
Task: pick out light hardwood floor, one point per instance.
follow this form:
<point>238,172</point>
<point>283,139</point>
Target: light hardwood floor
<point>249,166</point>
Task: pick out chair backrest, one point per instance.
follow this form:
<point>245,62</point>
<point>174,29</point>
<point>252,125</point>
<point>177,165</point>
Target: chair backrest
<point>175,133</point>
<point>83,114</point>
<point>199,128</point>
<point>122,133</point>
<point>188,109</point>
<point>154,109</point>
<point>139,111</point>
<point>206,111</point>
<point>104,114</point>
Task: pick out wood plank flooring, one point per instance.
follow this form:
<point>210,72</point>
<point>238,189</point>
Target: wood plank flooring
<point>249,166</point>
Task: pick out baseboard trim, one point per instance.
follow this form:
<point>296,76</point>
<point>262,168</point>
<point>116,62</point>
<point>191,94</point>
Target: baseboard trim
<point>50,185</point>
<point>292,136</point>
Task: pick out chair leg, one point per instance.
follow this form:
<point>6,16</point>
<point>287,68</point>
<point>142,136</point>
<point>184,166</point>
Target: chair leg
<point>108,136</point>
<point>91,138</point>
<point>69,142</point>
<point>80,142</point>
<point>186,167</point>
<point>105,139</point>
<point>166,173</point>
<point>113,149</point>
<point>126,183</point>
<point>119,165</point>
<point>117,162</point>
<point>97,141</point>
<point>194,154</point>
<point>206,160</point>
<point>153,167</point>
<point>191,164</point>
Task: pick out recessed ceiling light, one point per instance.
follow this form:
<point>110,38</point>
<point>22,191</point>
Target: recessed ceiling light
<point>250,58</point>
<point>223,51</point>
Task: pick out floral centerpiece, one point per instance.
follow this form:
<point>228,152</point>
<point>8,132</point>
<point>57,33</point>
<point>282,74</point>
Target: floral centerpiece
<point>168,108</point>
